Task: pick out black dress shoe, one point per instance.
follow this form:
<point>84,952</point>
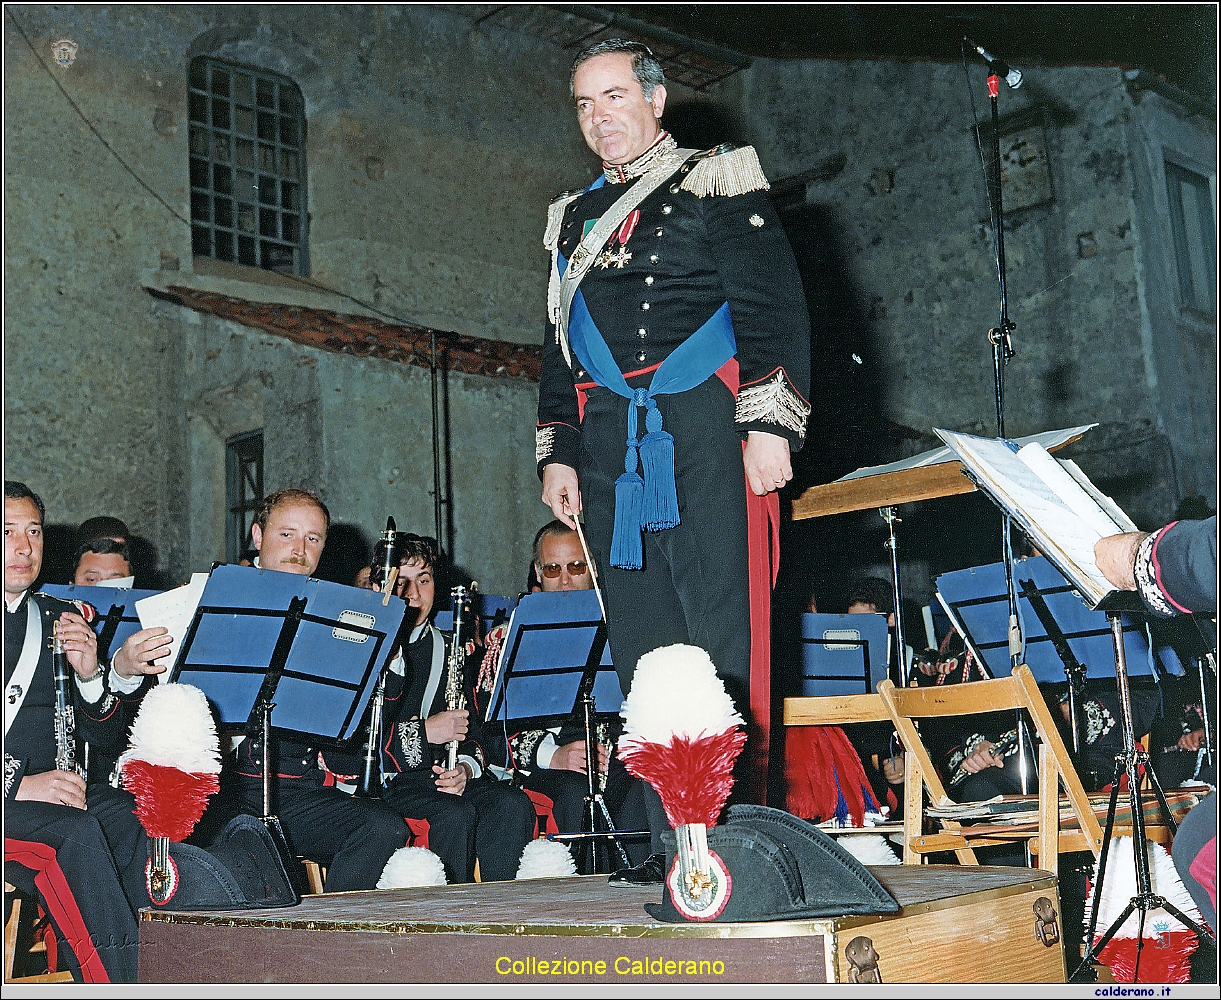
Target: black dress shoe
<point>651,871</point>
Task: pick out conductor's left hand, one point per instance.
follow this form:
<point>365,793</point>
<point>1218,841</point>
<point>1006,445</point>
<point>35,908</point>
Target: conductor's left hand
<point>767,462</point>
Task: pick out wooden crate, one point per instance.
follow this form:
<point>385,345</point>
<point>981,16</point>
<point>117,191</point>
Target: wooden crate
<point>956,925</point>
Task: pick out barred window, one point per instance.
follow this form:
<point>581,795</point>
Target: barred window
<point>247,167</point>
<point>1192,228</point>
<point>243,489</point>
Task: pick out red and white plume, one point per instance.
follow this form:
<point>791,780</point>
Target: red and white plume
<point>1165,955</point>
<point>172,764</point>
<point>682,733</point>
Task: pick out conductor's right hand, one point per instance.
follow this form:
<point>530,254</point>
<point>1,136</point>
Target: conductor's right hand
<point>61,788</point>
<point>445,727</point>
<point>137,654</point>
<point>561,493</point>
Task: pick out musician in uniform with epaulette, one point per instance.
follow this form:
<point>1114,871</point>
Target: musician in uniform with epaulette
<point>674,303</point>
<point>73,846</point>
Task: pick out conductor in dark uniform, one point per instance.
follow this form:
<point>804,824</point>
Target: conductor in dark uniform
<point>674,375</point>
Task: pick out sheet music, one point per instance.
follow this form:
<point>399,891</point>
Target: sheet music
<point>172,610</point>
<point>122,583</point>
<point>1049,503</point>
<point>1048,439</point>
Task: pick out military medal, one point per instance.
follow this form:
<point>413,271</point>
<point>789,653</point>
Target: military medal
<point>619,256</point>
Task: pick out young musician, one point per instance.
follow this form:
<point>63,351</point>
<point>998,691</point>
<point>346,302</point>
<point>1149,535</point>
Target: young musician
<point>471,814</point>
<point>353,838</point>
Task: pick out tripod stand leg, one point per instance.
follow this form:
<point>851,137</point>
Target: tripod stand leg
<point>1093,950</point>
<point>623,858</point>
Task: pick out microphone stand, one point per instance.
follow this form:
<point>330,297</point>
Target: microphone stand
<point>1002,351</point>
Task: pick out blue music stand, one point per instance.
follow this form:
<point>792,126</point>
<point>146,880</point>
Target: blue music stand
<point>554,641</point>
<point>556,664</point>
<point>976,600</point>
<point>313,648</point>
<point>486,607</point>
<point>116,607</point>
<point>843,654</point>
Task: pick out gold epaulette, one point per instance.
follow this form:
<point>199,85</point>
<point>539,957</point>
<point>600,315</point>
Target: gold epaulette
<point>725,170</point>
<point>555,218</point>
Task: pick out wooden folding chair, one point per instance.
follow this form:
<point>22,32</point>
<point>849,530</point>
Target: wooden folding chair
<point>11,934</point>
<point>1018,691</point>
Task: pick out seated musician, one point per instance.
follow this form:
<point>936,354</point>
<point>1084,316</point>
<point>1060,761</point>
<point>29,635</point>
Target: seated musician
<point>76,846</point>
<point>470,813</point>
<point>352,838</point>
<point>103,560</point>
<point>552,762</point>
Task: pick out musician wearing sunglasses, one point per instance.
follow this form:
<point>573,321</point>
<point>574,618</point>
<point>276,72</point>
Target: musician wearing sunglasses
<point>551,762</point>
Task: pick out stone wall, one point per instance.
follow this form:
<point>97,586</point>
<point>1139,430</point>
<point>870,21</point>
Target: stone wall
<point>432,152</point>
<point>898,193</point>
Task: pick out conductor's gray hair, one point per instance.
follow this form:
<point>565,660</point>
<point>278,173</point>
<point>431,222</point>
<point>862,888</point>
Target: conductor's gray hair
<point>645,67</point>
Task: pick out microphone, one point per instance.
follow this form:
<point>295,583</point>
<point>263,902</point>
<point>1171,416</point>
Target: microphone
<point>1012,76</point>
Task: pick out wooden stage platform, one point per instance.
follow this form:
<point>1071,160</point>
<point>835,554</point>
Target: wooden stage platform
<point>956,925</point>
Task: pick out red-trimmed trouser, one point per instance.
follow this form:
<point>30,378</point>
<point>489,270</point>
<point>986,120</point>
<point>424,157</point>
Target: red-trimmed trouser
<point>694,587</point>
<point>77,862</point>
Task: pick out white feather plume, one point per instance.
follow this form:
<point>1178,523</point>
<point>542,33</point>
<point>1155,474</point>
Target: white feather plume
<point>676,692</point>
<point>409,867</point>
<point>869,849</point>
<point>174,728</point>
<point>1120,887</point>
<point>545,859</point>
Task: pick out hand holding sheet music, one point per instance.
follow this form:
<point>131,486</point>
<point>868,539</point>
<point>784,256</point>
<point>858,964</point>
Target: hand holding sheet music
<point>172,610</point>
<point>1052,501</point>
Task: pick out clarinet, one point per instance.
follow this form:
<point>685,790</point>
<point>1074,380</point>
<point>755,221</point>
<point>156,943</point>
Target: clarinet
<point>65,718</point>
<point>385,572</point>
<point>455,676</point>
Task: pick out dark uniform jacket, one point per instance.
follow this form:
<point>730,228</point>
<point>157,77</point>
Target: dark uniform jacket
<point>688,256</point>
<point>1176,568</point>
<point>29,747</point>
<point>405,747</point>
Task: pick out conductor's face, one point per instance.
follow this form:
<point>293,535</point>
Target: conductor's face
<point>618,122</point>
<point>293,540</point>
<point>415,585</point>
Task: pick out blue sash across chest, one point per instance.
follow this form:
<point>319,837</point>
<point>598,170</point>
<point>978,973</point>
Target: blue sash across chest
<point>647,502</point>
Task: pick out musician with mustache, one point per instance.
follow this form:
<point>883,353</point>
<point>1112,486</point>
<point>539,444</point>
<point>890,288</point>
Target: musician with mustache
<point>353,838</point>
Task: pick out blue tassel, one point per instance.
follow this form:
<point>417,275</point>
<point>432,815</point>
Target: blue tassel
<point>657,462</point>
<point>627,550</point>
<point>660,496</point>
<point>841,805</point>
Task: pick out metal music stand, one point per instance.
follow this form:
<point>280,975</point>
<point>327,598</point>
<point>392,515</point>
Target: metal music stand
<point>1061,548</point>
<point>556,665</point>
<point>843,654</point>
<point>314,650</point>
<point>1127,764</point>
